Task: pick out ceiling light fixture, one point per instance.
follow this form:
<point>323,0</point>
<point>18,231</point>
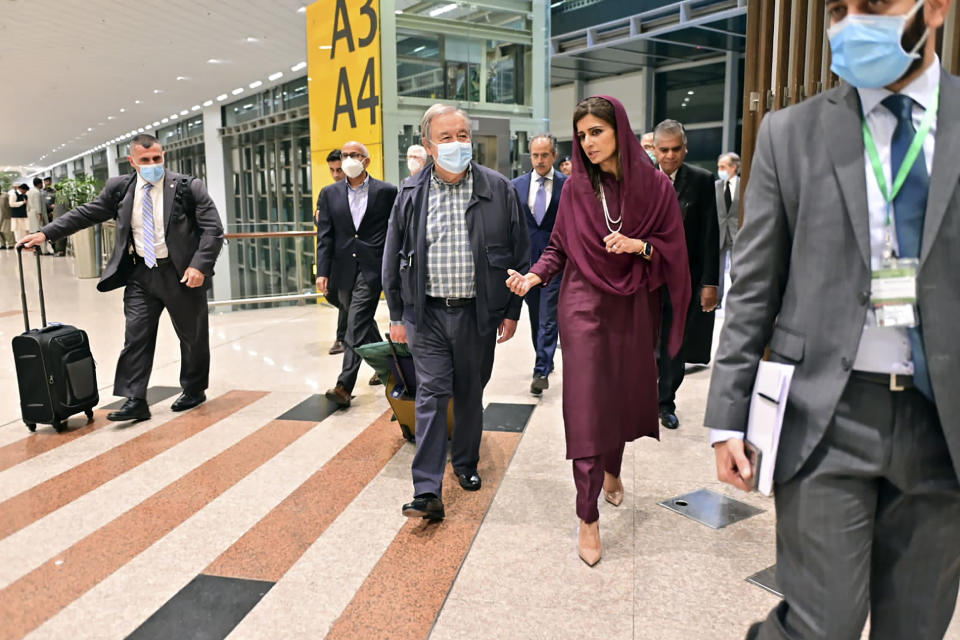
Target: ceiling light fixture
<point>184,112</point>
<point>208,103</point>
<point>255,84</point>
<point>182,78</point>
<point>298,66</point>
<point>156,124</point>
<point>275,76</point>
<point>237,91</point>
<point>165,121</point>
<point>156,91</point>
<point>302,10</point>
<point>174,116</point>
<point>214,61</point>
<point>251,39</point>
<point>439,11</point>
<point>195,107</point>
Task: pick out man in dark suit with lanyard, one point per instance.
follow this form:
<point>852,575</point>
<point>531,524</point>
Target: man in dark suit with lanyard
<point>539,196</point>
<point>169,235</point>
<point>352,218</point>
<point>847,269</point>
<point>695,191</point>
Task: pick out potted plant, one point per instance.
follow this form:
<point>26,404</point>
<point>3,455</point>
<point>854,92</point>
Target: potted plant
<point>71,193</point>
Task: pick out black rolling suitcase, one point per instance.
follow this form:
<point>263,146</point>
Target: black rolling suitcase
<point>55,369</point>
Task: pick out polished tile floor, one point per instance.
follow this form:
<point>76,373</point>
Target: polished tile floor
<point>263,515</point>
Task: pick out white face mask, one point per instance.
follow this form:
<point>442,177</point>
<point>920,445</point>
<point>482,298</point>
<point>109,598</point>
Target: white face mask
<point>352,167</point>
<point>724,175</point>
<point>414,164</point>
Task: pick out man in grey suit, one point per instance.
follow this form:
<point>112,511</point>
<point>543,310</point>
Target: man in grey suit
<point>169,235</point>
<point>455,229</point>
<point>728,207</point>
<point>867,493</point>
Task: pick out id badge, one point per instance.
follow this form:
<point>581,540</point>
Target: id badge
<point>894,293</point>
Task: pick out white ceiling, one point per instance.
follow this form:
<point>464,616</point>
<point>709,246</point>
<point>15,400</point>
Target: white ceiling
<point>77,63</point>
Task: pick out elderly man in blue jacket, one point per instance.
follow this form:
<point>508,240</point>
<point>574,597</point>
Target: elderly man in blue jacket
<point>455,229</point>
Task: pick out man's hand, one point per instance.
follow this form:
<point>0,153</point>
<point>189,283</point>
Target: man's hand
<point>322,284</point>
<point>33,240</point>
<point>521,285</point>
<point>732,464</point>
<point>708,299</point>
<point>506,330</point>
<point>193,278</point>
<point>398,333</point>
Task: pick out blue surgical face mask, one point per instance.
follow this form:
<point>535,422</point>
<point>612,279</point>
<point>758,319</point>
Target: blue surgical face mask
<point>455,157</point>
<point>724,175</point>
<point>653,156</point>
<point>151,172</point>
<point>867,49</point>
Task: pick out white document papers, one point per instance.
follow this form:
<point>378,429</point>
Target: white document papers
<point>768,403</point>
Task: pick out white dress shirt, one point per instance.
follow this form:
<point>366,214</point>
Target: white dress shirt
<point>535,186</point>
<point>136,222</point>
<point>357,200</point>
<point>884,350</point>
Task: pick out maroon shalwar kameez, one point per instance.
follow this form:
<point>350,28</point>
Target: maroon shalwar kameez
<point>609,311</point>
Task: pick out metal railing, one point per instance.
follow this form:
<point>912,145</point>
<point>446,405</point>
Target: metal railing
<point>271,266</point>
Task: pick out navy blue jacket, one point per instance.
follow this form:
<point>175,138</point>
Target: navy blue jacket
<point>498,238</point>
<point>539,233</point>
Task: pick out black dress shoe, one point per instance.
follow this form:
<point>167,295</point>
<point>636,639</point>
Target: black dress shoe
<point>336,348</point>
<point>469,480</point>
<point>375,380</point>
<point>539,385</point>
<point>669,420</point>
<point>427,506</point>
<point>135,409</point>
<point>188,401</point>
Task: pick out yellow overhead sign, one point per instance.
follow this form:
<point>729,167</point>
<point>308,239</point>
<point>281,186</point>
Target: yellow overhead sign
<point>343,66</point>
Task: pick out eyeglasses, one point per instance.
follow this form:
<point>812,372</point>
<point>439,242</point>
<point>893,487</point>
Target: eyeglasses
<point>356,155</point>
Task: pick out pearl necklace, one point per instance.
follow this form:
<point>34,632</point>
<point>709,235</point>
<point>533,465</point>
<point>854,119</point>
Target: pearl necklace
<point>606,215</point>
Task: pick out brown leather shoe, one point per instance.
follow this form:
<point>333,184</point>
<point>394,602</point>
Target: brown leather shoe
<point>339,396</point>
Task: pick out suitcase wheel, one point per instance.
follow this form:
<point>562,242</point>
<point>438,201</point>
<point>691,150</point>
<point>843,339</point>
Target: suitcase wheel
<point>89,414</point>
<point>59,426</point>
<point>407,435</point>
<point>31,426</point>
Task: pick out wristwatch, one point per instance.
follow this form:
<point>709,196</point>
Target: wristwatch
<point>646,251</point>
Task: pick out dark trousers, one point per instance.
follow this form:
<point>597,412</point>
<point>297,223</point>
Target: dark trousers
<point>361,305</point>
<point>870,523</point>
<point>671,370</point>
<point>542,305</point>
<point>342,314</point>
<point>147,294</point>
<point>588,478</point>
<point>453,360</point>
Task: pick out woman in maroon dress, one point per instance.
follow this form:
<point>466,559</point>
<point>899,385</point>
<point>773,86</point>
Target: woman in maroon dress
<point>618,239</point>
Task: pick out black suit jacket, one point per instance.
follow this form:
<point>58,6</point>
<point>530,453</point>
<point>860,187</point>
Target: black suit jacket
<point>342,249</point>
<point>698,204</point>
<point>498,238</point>
<point>192,240</point>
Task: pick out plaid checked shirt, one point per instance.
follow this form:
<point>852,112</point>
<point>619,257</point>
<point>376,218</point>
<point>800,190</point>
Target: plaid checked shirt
<point>450,266</point>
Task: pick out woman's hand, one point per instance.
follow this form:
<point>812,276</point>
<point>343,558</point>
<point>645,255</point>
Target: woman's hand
<point>521,285</point>
<point>618,243</point>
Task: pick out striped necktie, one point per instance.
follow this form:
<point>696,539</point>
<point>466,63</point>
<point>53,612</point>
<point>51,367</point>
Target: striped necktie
<point>149,248</point>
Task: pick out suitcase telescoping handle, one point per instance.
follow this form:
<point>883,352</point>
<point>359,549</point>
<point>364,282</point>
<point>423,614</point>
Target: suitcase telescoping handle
<point>23,291</point>
<point>396,360</point>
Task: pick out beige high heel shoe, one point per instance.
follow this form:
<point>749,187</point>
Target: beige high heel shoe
<point>588,553</point>
<point>614,497</point>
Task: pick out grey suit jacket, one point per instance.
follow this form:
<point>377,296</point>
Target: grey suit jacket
<point>729,219</point>
<point>193,238</point>
<point>803,270</point>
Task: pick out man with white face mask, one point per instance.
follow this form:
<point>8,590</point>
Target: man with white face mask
<point>846,267</point>
<point>454,232</point>
<point>169,235</point>
<point>351,226</point>
<point>728,208</point>
<point>416,159</point>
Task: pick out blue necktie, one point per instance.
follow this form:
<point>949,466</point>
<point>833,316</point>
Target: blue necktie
<point>540,202</point>
<point>909,209</point>
<point>149,250</point>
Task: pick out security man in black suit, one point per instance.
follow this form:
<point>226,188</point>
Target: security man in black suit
<point>695,191</point>
<point>169,235</point>
<point>352,218</point>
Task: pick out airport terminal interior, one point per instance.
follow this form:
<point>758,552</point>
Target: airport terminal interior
<point>268,511</point>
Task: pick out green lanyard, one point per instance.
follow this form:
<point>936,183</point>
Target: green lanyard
<point>916,147</point>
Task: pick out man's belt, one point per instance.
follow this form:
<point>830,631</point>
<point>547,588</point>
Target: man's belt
<point>450,302</point>
<point>894,381</point>
<point>138,258</point>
